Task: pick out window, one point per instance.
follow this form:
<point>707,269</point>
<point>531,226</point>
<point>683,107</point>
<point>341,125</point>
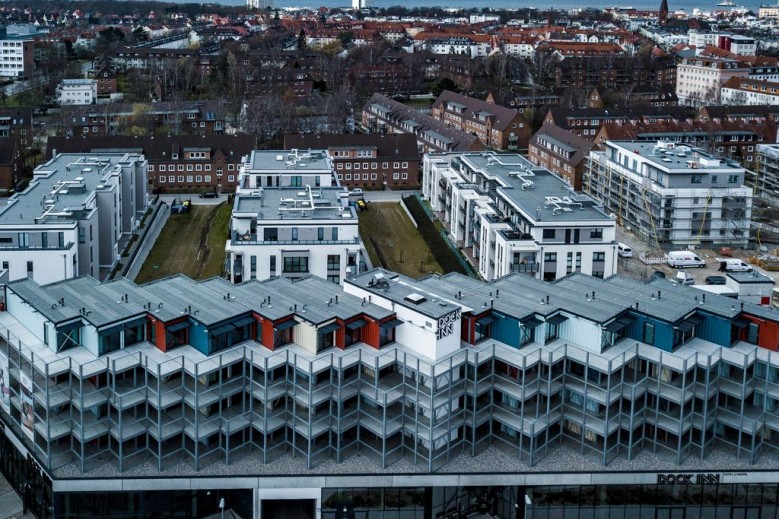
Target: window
<point>348,176</point>
<point>294,234</point>
<point>24,239</point>
<point>198,178</point>
<point>208,167</point>
<point>82,235</point>
<point>45,240</point>
<point>6,265</point>
<point>231,178</point>
<point>404,176</point>
<point>320,233</point>
<point>181,167</point>
<point>596,233</point>
<point>162,179</point>
<point>550,257</point>
<point>295,264</point>
<point>335,234</point>
<point>365,176</point>
<point>396,176</point>
<point>373,176</point>
<point>29,267</point>
<point>171,179</point>
<point>231,167</point>
<point>181,178</point>
<point>190,167</point>
<point>356,165</point>
<point>151,167</point>
<point>163,167</point>
<point>189,178</point>
<point>333,262</point>
<point>732,179</point>
<point>273,266</point>
<point>270,234</point>
<point>649,333</point>
<point>207,178</point>
<point>695,179</point>
<point>549,234</point>
<point>598,256</point>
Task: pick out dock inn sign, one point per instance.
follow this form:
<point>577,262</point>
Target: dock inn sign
<point>688,479</point>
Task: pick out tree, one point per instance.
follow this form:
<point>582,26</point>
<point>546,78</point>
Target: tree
<point>140,34</point>
<point>302,43</point>
<point>444,84</point>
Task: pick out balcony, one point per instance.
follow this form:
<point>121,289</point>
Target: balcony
<point>253,241</point>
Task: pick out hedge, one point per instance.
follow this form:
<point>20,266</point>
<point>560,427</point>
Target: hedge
<point>440,248</point>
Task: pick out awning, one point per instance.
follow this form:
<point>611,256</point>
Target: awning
<point>219,330</point>
<point>285,325</point>
<point>557,319</point>
<point>328,328</point>
<point>618,324</point>
<point>530,322</point>
<point>391,324</point>
<point>173,328</point>
<point>243,322</point>
<point>686,326</point>
<point>487,319</point>
<point>741,323</point>
<point>359,323</point>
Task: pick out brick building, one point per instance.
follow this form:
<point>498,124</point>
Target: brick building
<point>11,163</point>
<point>367,161</point>
<point>560,151</point>
<point>17,122</point>
<point>179,163</point>
<point>496,126</point>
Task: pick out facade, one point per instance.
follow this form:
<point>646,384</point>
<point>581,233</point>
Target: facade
<point>373,161</point>
<point>11,163</point>
<point>351,403</point>
<point>292,219</point>
<point>384,115</point>
<point>699,80</point>
<point>765,179</point>
<point>562,152</point>
<point>496,126</point>
<point>186,117</point>
<point>17,57</point>
<point>509,215</point>
<point>586,122</point>
<point>17,122</point>
<point>77,92</point>
<point>672,195</point>
<point>178,163</point>
<point>744,91</point>
<point>70,220</point>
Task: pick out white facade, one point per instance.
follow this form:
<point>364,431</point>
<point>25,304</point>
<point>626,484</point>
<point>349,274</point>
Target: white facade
<point>292,219</point>
<point>12,57</point>
<point>77,92</point>
<point>670,195</point>
<point>701,39</point>
<point>71,218</point>
<point>699,80</point>
<point>490,206</point>
<point>751,93</point>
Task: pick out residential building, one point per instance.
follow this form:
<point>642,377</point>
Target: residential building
<point>292,219</point>
<point>586,122</point>
<point>77,92</point>
<point>17,122</point>
<point>190,117</point>
<point>745,91</point>
<point>71,219</point>
<point>765,179</point>
<point>672,195</point>
<point>384,115</point>
<point>509,215</point>
<point>738,44</point>
<point>373,161</point>
<point>768,11</point>
<point>497,127</point>
<point>388,397</point>
<point>11,163</point>
<point>176,163</point>
<point>106,81</point>
<point>17,57</point>
<point>616,72</point>
<point>560,151</point>
<point>699,80</point>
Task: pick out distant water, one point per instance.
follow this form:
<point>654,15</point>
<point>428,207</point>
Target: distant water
<point>688,6</point>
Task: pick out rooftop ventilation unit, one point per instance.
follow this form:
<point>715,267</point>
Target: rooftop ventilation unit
<point>415,298</point>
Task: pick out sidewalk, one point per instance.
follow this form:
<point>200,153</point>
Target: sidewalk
<point>10,502</point>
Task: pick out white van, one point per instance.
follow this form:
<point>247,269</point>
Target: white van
<point>733,265</point>
<point>684,258</point>
<point>624,251</point>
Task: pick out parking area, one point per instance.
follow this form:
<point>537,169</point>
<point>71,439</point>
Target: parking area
<point>635,268</point>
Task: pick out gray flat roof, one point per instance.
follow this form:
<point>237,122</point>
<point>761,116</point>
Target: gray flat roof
<point>285,160</point>
<point>750,277</point>
<point>83,173</point>
<point>672,160</point>
<point>545,184</point>
<point>294,203</point>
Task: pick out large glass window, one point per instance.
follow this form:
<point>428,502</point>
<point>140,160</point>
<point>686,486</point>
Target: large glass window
<point>295,264</point>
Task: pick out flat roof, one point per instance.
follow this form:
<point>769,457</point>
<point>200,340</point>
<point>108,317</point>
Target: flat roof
<point>548,199</point>
<point>294,203</point>
<point>272,160</point>
<point>675,158</point>
<point>64,184</point>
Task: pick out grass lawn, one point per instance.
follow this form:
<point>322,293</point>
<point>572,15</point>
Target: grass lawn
<point>398,240</point>
<point>180,247</point>
<point>419,103</point>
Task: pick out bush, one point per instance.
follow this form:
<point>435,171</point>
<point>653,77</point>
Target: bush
<point>440,248</point>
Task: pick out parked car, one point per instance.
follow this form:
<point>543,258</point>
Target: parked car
<point>685,278</point>
<point>209,194</point>
<point>355,192</point>
<point>624,251</point>
<point>733,265</point>
<point>715,280</point>
<point>684,258</point>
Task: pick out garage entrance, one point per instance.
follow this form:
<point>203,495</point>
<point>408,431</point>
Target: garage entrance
<point>288,509</point>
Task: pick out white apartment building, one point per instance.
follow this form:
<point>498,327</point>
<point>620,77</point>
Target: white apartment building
<point>16,58</point>
<point>77,92</point>
<point>699,80</point>
<point>458,45</point>
<point>672,196</point>
<point>69,221</point>
<point>740,91</point>
<point>510,215</point>
<point>700,40</point>
<point>291,218</point>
